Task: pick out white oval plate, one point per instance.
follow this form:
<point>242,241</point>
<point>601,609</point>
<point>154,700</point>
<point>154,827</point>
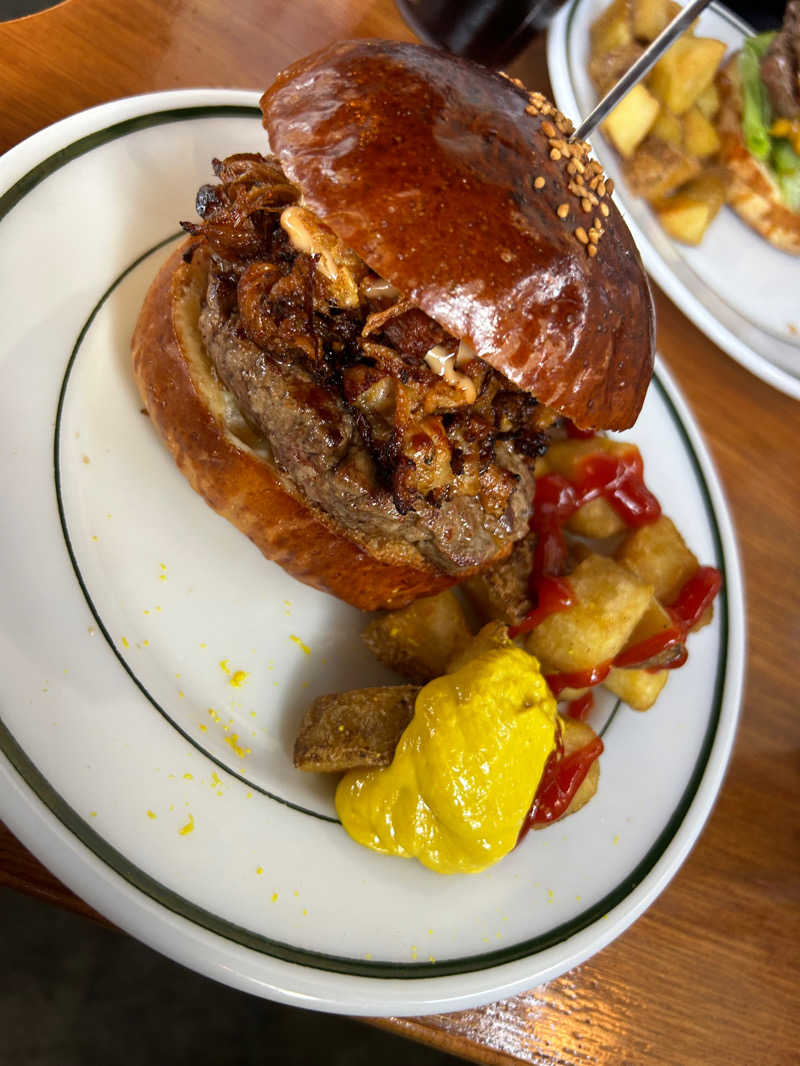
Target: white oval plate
<point>132,763</point>
<point>739,290</point>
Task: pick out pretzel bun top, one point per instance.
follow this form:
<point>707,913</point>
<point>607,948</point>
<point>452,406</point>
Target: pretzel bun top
<point>459,187</point>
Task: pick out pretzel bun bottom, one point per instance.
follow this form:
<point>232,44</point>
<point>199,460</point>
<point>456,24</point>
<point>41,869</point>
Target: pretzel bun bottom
<point>198,421</point>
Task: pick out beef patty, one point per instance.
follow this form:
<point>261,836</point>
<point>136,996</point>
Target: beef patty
<point>378,416</point>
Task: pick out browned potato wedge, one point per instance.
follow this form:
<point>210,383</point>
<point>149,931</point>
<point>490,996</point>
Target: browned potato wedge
<point>610,600</point>
<point>419,641</point>
<point>502,591</point>
<point>668,128</point>
<point>657,554</point>
<point>606,68</point>
<point>687,214</point>
<point>613,28</point>
<point>649,18</point>
<point>699,136</point>
<point>347,730</point>
<point>655,620</point>
<point>685,71</point>
<point>493,635</point>
<point>658,168</point>
<point>596,519</point>
<point>684,218</point>
<point>576,736</point>
<point>638,688</point>
<point>708,101</point>
<point>630,121</point>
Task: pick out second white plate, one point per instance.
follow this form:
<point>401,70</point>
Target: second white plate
<point>739,290</point>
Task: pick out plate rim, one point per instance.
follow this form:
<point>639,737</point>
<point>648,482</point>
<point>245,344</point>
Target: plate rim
<point>559,71</point>
<point>62,846</point>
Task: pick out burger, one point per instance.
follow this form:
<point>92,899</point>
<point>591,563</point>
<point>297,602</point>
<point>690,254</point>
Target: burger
<point>759,128</point>
<point>375,328</point>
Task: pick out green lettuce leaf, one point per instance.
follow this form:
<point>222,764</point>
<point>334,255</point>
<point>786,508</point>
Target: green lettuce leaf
<point>756,117</point>
<point>786,166</point>
<point>775,152</point>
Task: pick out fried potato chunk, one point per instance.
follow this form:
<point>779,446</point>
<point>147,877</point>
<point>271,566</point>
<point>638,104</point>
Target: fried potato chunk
<point>492,636</point>
<point>348,730</point>
<point>657,554</point>
<point>638,688</point>
<point>613,28</point>
<point>658,169</point>
<point>685,71</point>
<point>610,601</point>
<point>649,18</point>
<point>606,68</point>
<point>688,213</point>
<point>503,591</point>
<point>577,735</point>
<point>596,520</point>
<point>631,120</point>
<point>419,641</point>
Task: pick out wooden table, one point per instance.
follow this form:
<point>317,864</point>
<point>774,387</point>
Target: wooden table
<point>710,973</point>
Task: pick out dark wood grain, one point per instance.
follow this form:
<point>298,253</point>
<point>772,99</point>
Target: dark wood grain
<point>710,973</point>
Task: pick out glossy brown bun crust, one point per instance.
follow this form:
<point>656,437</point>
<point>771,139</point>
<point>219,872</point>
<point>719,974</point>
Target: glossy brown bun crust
<point>196,418</point>
<point>425,165</point>
<point>751,191</point>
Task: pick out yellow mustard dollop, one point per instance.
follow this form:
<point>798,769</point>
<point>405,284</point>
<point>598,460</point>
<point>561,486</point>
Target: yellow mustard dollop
<point>465,771</point>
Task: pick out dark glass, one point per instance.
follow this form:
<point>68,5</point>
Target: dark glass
<point>495,31</point>
<point>492,32</point>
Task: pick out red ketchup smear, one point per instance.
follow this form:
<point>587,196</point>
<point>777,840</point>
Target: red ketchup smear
<point>553,594</point>
<point>580,707</point>
<point>619,478</point>
<point>696,596</point>
<point>581,679</point>
<point>560,781</point>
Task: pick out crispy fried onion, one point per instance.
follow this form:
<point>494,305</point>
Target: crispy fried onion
<point>238,214</point>
<point>431,430</point>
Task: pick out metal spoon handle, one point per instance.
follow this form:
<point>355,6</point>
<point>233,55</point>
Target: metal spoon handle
<point>648,59</point>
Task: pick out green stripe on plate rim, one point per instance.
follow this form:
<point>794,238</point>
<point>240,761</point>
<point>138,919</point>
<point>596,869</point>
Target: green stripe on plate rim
<point>177,904</point>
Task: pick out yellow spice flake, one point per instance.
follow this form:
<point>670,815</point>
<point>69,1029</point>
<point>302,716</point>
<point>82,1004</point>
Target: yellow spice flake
<point>239,678</point>
<point>233,741</point>
<point>151,814</point>
<point>300,644</point>
<point>188,828</point>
